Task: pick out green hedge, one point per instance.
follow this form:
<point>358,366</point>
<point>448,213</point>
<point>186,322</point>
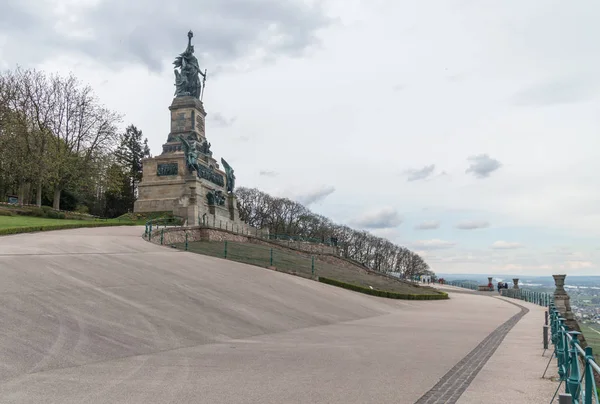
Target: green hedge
<point>29,229</point>
<point>383,293</point>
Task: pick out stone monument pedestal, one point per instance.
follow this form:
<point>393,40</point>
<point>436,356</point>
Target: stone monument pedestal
<point>197,194</point>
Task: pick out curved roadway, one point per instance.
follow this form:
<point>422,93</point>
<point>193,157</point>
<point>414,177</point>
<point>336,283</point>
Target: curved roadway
<point>102,316</point>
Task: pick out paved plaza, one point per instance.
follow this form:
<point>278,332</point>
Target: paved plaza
<point>102,316</point>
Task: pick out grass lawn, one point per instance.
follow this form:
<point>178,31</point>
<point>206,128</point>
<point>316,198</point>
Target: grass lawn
<point>592,336</point>
<point>26,224</point>
<point>301,264</point>
<point>29,221</point>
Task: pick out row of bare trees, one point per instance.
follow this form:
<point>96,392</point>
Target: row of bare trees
<point>284,216</point>
<point>56,137</point>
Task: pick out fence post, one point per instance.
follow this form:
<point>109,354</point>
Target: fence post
<point>225,252</point>
<point>565,399</point>
<point>573,381</point>
<point>553,327</point>
<point>162,236</point>
<point>545,336</point>
<point>560,354</point>
<point>589,376</point>
<point>271,259</point>
<point>313,265</point>
<point>186,241</point>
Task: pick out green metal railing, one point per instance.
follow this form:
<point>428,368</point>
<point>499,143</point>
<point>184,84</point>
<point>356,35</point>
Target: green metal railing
<point>155,224</point>
<point>464,284</point>
<point>576,366</point>
<point>530,296</point>
<point>297,263</point>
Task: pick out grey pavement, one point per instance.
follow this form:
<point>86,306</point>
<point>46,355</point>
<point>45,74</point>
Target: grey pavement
<point>514,373</point>
<point>101,316</point>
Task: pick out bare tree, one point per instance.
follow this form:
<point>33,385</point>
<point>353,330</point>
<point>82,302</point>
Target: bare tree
<point>52,131</point>
<point>282,215</point>
<point>81,130</point>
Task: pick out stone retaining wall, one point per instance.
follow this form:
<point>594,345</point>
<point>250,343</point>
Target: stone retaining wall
<point>172,235</point>
<point>307,246</point>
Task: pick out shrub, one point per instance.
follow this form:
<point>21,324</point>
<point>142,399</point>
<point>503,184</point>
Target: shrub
<point>37,212</point>
<point>383,293</point>
<point>82,209</point>
<point>6,212</point>
<point>17,230</point>
<point>52,214</point>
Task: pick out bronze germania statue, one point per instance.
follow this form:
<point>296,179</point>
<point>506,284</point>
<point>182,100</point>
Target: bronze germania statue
<point>187,82</point>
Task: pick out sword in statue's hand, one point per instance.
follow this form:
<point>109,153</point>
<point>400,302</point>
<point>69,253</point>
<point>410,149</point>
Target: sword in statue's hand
<point>203,85</point>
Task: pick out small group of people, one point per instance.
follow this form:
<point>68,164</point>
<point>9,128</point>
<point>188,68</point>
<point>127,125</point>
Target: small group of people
<point>502,286</point>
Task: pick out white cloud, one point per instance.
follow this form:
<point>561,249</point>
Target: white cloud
<point>420,173</point>
<point>579,264</point>
<point>383,218</point>
<point>315,195</point>
<point>220,121</point>
<point>481,166</point>
<point>433,244</point>
<point>473,224</point>
<point>268,173</point>
<point>505,245</point>
<point>428,225</point>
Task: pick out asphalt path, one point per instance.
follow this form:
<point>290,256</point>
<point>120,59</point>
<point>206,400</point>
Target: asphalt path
<point>102,316</point>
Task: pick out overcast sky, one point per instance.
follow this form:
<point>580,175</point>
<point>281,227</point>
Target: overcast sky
<point>466,130</point>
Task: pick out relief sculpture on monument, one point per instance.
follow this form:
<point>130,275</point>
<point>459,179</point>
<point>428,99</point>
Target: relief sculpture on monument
<point>192,150</point>
<point>230,176</point>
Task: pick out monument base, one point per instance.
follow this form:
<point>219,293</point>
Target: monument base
<point>166,189</point>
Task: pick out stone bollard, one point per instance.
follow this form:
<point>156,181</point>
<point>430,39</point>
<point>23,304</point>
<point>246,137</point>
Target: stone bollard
<point>515,283</point>
<point>562,302</point>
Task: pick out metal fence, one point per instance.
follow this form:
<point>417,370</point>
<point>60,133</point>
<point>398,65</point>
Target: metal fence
<point>162,223</point>
<point>530,296</point>
<point>236,229</point>
<point>577,368</point>
<point>464,284</point>
<point>295,263</point>
<point>155,224</point>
